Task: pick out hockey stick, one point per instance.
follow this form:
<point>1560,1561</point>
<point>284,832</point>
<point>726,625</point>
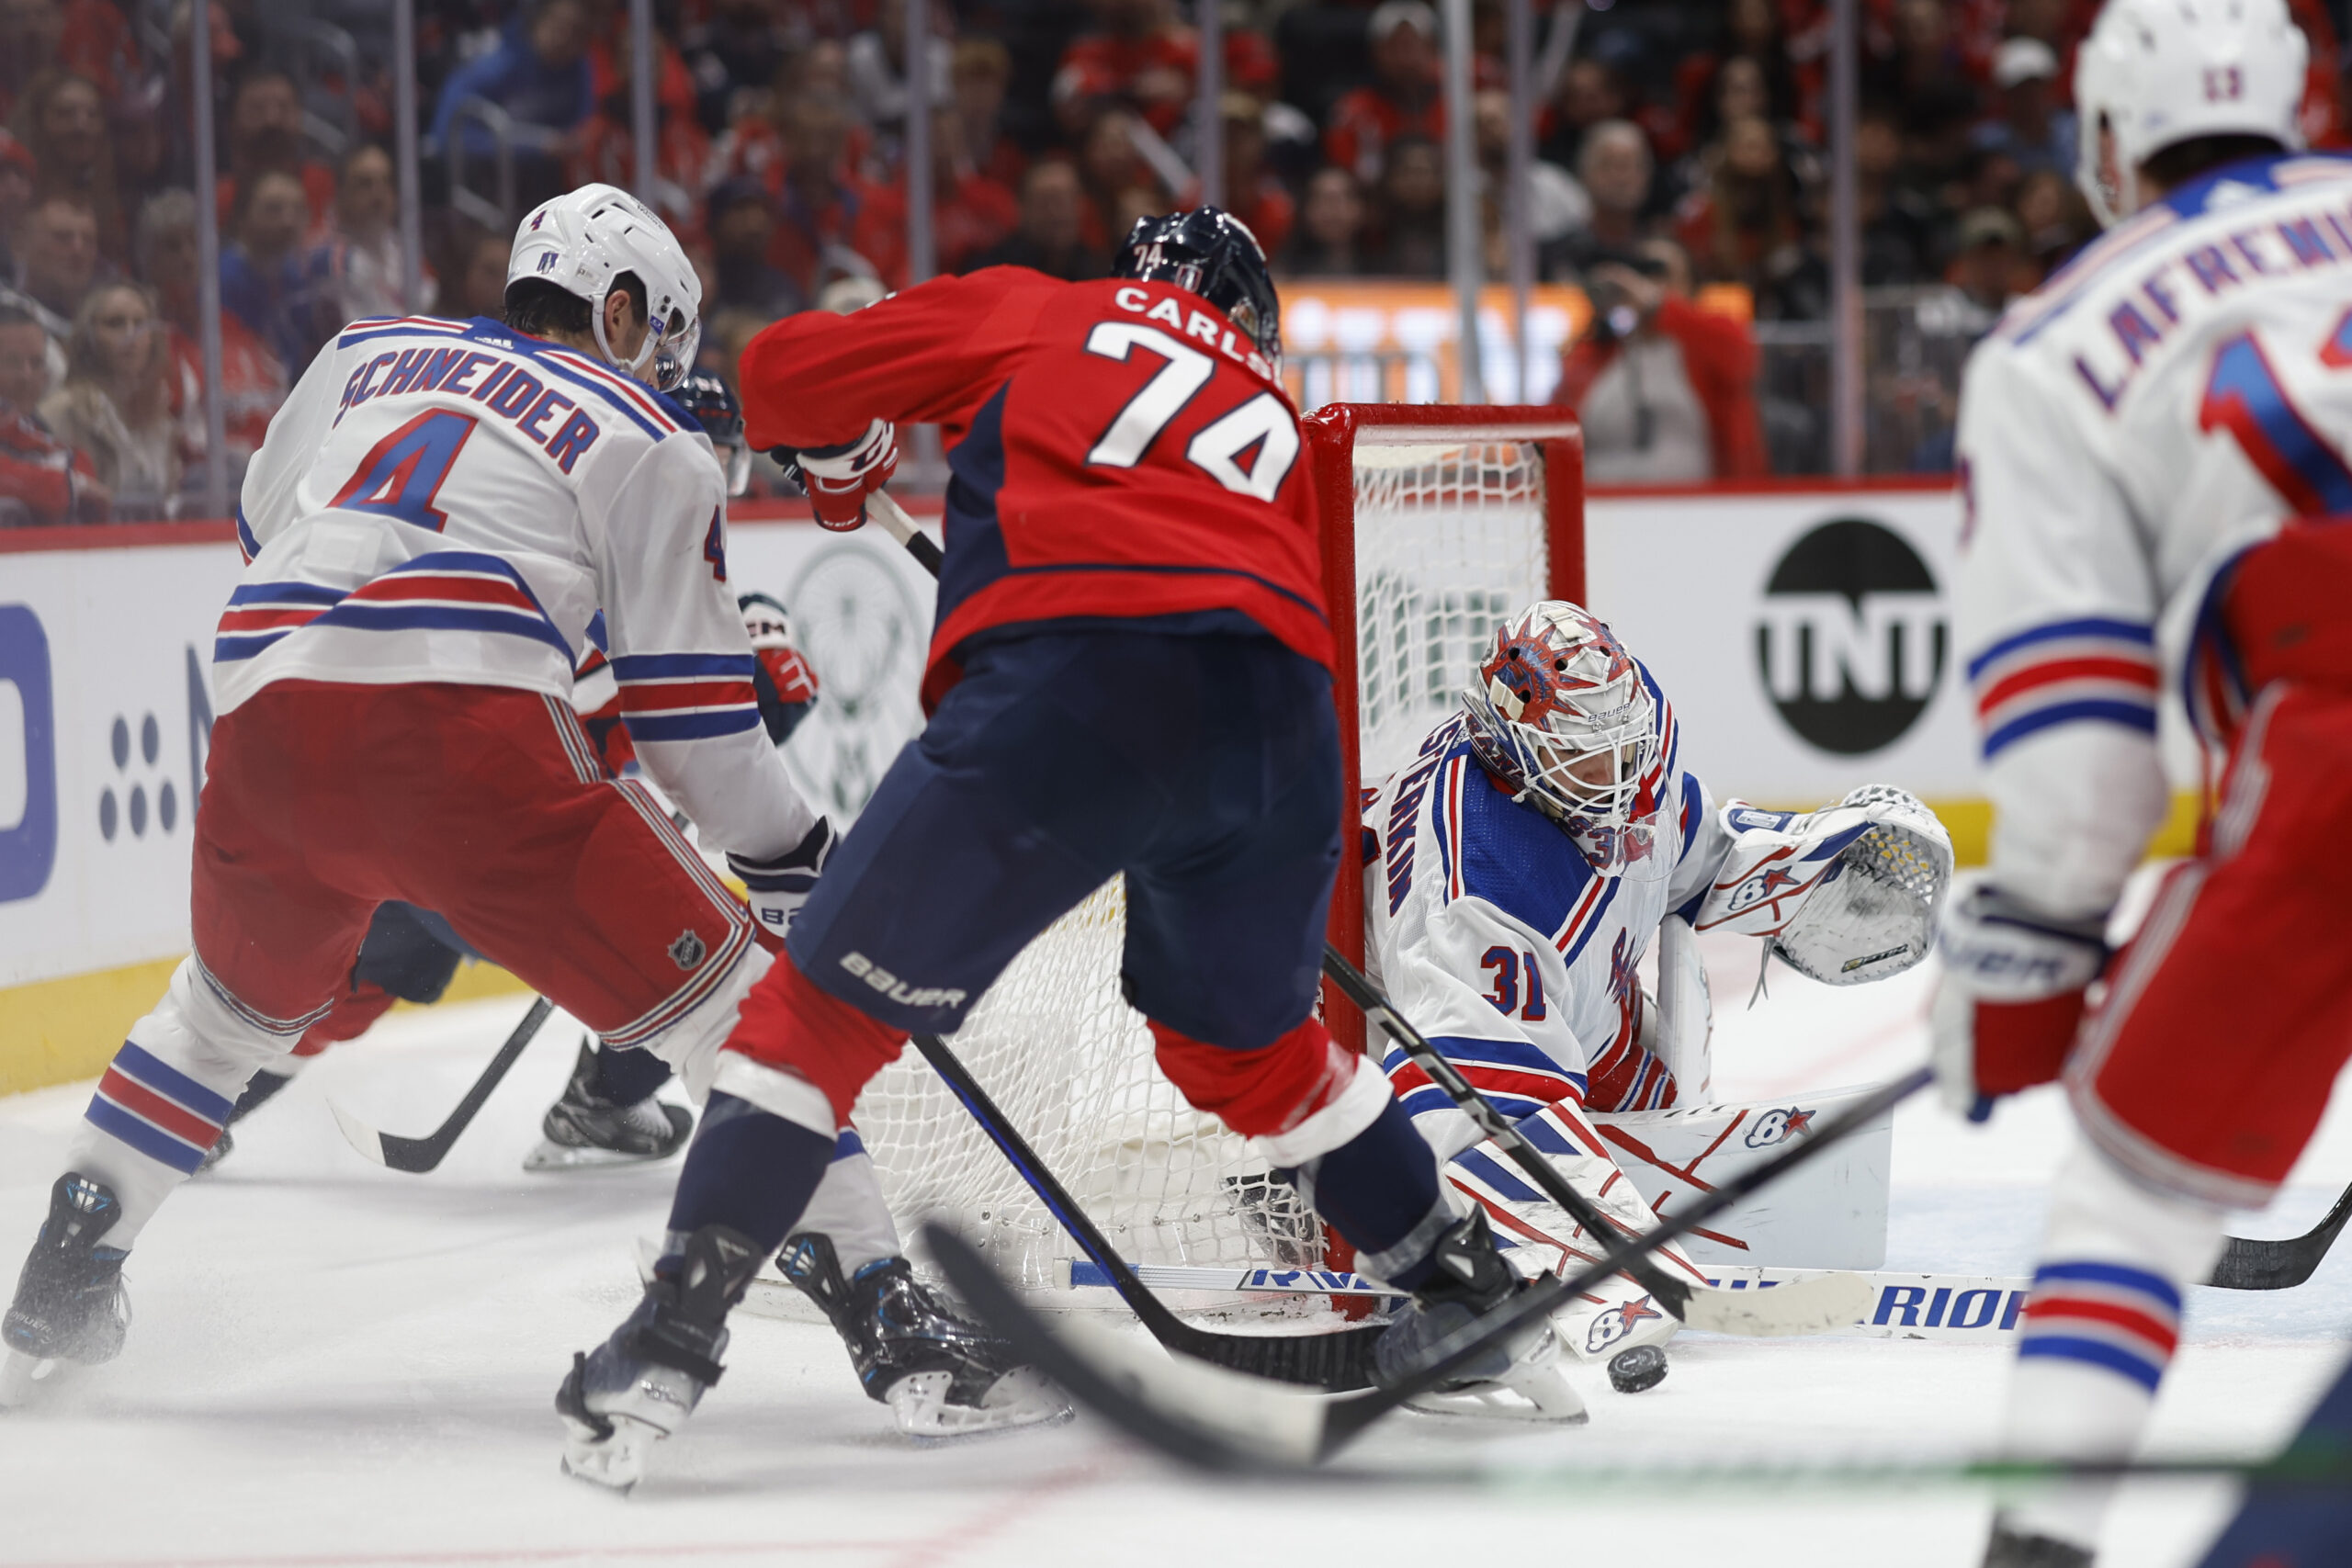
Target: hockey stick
<point>1336,1361</point>
<point>417,1155</point>
<point>2283,1264</point>
<point>1218,1419</point>
<point>1801,1306</point>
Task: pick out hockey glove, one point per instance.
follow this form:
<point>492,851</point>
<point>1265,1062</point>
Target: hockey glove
<point>2011,999</point>
<point>839,479</point>
<point>777,887</point>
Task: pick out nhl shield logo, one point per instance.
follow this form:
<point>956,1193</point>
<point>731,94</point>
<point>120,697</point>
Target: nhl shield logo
<point>688,951</point>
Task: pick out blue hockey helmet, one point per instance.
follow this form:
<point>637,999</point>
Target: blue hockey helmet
<point>1212,253</point>
<point>705,396</point>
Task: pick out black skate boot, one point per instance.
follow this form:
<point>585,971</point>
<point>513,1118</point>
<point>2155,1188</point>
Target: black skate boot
<point>2015,1547</point>
<point>942,1375</point>
<point>259,1089</point>
<point>1472,1278</point>
<point>587,1127</point>
<point>70,1303</point>
<point>639,1386</point>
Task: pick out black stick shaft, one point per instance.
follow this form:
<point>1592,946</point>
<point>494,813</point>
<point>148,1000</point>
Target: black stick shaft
<point>2281,1265</point>
<point>1674,1294</point>
<point>416,1156</point>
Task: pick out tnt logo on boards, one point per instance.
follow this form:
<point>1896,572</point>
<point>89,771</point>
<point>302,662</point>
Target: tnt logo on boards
<point>1852,641</point>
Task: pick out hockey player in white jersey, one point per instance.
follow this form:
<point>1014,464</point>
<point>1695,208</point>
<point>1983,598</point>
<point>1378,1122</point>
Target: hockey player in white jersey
<point>2154,447</point>
<point>1520,868</point>
<point>440,509</point>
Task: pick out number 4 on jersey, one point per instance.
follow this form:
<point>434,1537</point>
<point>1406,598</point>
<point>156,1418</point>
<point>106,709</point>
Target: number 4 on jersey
<point>402,473</point>
<point>1261,423</point>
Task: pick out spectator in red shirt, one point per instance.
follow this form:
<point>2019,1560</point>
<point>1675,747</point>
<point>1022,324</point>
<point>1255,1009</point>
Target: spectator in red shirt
<point>1744,226</point>
<point>1403,100</point>
<point>1412,211</point>
<point>826,222</point>
<point>741,224</point>
<point>252,380</point>
<point>1109,167</point>
<point>264,132</point>
<point>17,171</point>
<point>1665,391</point>
<point>1142,58</point>
<point>604,148</point>
<point>42,480</point>
<point>970,213</point>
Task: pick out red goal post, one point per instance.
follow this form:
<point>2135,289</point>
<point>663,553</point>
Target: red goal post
<point>1436,520</point>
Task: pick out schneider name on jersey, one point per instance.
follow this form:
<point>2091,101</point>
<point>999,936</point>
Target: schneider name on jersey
<point>458,502</point>
<point>2154,409</point>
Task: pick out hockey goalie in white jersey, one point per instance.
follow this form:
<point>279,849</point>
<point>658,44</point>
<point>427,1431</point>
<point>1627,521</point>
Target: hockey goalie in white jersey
<point>1516,873</point>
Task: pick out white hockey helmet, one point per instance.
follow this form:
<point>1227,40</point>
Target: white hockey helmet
<point>1559,713</point>
<point>2161,72</point>
<point>582,240</point>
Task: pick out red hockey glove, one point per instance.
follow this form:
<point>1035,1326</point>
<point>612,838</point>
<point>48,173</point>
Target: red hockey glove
<point>795,681</point>
<point>2006,1016</point>
<point>839,479</point>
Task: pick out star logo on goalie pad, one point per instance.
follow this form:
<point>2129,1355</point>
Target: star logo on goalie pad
<point>1618,1321</point>
<point>1796,1121</point>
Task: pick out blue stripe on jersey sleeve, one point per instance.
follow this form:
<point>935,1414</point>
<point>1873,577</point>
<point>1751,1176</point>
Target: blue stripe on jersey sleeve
<point>633,667</point>
<point>691,725</point>
<point>2063,631</point>
<point>149,1140</point>
<point>141,1064</point>
<point>2140,717</point>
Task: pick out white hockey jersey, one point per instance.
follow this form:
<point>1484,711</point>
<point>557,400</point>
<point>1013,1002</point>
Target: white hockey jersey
<point>455,502</point>
<point>2168,398</point>
<point>1492,933</point>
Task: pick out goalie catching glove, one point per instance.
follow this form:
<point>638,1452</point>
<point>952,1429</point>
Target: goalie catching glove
<point>2012,998</point>
<point>839,479</point>
<point>1846,895</point>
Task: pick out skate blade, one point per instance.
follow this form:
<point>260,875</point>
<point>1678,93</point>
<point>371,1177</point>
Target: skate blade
<point>552,1155</point>
<point>1020,1398</point>
<point>615,1461</point>
<point>1535,1395</point>
<point>23,1377</point>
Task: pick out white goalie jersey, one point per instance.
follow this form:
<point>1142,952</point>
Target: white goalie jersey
<point>453,502</point>
<point>2166,400</point>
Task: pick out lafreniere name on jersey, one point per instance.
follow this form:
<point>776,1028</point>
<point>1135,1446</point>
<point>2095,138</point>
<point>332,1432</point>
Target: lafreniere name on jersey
<point>2175,287</point>
<point>1194,323</point>
<point>505,387</point>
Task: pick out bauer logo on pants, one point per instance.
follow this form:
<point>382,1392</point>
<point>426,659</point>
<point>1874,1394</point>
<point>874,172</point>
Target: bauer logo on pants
<point>1853,636</point>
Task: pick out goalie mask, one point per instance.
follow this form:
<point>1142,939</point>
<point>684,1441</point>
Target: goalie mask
<point>1560,714</point>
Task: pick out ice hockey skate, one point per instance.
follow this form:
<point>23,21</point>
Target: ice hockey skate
<point>1471,1279</point>
<point>639,1386</point>
<point>70,1303</point>
<point>587,1128</point>
<point>942,1375</point>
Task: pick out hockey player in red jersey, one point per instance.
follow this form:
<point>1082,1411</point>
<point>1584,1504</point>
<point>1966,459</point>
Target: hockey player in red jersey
<point>438,513</point>
<point>1128,674</point>
<point>2157,451</point>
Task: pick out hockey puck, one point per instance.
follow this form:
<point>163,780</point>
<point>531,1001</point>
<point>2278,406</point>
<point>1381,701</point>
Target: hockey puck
<point>1644,1366</point>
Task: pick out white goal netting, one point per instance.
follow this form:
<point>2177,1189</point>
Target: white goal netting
<point>1450,538</point>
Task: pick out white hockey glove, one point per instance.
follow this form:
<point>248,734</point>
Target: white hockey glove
<point>2011,999</point>
<point>839,479</point>
<point>1846,895</point>
<point>777,888</point>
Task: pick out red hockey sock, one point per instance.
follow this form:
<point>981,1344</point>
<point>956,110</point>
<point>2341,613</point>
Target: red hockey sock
<point>788,1022</point>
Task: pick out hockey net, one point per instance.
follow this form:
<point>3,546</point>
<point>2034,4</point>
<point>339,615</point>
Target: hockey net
<point>1437,522</point>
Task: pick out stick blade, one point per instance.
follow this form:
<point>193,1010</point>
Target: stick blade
<point>1204,1416</point>
<point>412,1156</point>
<point>1822,1304</point>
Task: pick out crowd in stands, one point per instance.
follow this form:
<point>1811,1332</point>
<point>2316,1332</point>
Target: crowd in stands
<point>1681,145</point>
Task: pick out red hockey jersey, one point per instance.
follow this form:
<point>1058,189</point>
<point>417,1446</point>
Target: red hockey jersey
<point>1119,448</point>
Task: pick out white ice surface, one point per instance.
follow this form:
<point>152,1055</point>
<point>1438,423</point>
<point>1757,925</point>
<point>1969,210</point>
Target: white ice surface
<point>334,1364</point>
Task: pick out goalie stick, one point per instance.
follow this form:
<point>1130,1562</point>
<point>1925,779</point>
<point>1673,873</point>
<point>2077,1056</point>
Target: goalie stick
<point>417,1155</point>
<point>1221,1420</point>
